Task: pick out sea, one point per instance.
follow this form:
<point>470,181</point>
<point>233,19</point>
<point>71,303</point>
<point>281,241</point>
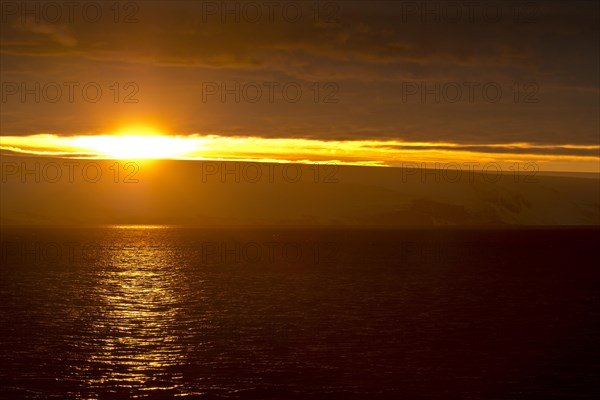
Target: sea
<point>155,312</point>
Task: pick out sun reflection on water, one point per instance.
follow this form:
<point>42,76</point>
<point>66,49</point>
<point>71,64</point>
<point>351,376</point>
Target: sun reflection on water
<point>140,226</point>
<point>137,297</point>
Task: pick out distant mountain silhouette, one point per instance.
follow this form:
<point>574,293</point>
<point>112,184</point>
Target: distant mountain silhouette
<point>181,192</point>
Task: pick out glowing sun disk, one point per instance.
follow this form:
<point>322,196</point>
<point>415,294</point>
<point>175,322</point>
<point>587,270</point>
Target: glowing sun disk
<point>134,146</point>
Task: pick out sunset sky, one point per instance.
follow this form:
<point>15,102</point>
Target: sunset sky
<point>299,199</point>
<point>355,82</point>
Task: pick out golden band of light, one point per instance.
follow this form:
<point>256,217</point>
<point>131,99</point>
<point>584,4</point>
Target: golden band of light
<point>360,152</point>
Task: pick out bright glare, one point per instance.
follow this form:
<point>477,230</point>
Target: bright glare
<point>134,146</point>
<point>144,142</point>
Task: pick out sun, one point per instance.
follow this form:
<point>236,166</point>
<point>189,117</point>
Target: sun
<point>134,143</point>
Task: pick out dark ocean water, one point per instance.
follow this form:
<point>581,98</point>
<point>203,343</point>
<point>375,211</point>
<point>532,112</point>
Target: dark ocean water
<point>300,314</point>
